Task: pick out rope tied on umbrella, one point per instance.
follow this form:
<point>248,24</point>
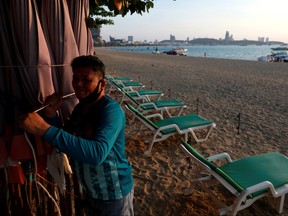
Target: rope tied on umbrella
<point>34,66</point>
<point>34,175</point>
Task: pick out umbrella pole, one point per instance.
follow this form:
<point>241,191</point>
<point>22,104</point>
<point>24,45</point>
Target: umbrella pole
<point>64,97</point>
<point>6,193</point>
<point>20,195</point>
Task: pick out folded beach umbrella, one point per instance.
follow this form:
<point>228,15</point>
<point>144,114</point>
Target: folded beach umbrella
<point>31,78</point>
<point>79,14</point>
<point>37,46</point>
<point>38,41</point>
<point>58,31</point>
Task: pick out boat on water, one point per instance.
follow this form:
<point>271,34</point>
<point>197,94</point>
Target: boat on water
<point>278,54</point>
<point>176,51</point>
<point>281,48</point>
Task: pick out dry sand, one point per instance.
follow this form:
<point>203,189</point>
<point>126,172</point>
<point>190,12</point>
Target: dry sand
<point>223,89</point>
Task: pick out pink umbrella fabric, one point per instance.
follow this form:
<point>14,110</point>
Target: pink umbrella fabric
<point>59,34</point>
<point>79,13</point>
<point>38,43</point>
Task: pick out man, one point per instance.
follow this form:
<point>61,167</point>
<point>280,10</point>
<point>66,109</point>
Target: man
<point>93,138</point>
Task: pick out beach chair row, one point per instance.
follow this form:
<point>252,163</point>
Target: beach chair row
<point>247,179</point>
<point>152,114</point>
<point>145,100</point>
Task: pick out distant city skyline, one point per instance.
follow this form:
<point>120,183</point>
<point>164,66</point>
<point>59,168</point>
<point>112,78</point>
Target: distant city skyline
<point>245,19</point>
<point>172,38</point>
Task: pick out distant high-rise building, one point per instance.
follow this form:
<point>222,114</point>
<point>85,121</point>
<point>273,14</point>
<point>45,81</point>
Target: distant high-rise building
<point>227,36</point>
<point>116,41</point>
<point>96,35</point>
<point>261,39</point>
<point>130,39</point>
<point>172,38</point>
<point>267,39</point>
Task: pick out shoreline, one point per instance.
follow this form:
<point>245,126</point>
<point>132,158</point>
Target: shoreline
<point>251,52</point>
<point>220,89</point>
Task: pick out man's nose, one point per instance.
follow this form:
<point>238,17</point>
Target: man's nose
<point>79,83</point>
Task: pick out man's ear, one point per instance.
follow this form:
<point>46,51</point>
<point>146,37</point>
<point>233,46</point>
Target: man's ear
<point>102,83</point>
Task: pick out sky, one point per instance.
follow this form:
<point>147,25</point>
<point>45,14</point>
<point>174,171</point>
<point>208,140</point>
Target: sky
<point>244,19</point>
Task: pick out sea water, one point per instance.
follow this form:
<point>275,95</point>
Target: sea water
<point>249,52</point>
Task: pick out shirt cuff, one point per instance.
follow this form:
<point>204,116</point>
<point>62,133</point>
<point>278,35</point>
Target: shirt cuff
<point>50,134</point>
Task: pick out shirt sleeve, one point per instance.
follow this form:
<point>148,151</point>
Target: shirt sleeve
<point>92,151</point>
<point>54,120</point>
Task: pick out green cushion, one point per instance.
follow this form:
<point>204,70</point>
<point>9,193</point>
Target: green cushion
<point>128,84</point>
<point>119,78</point>
<point>252,170</point>
<point>144,92</point>
<point>131,98</point>
<point>158,103</point>
<point>183,122</point>
<point>122,78</point>
<point>163,103</point>
<point>246,172</point>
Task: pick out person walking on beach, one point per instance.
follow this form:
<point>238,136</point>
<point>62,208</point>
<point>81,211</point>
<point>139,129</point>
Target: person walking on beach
<point>94,139</point>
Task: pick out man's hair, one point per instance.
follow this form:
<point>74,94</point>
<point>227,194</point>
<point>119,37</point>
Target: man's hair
<point>90,61</point>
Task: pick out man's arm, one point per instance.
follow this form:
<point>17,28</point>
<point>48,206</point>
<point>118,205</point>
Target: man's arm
<point>92,151</point>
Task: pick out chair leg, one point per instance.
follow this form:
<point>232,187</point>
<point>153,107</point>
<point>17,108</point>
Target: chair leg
<point>153,140</point>
<point>205,137</point>
<point>179,113</point>
<point>281,204</point>
<point>148,150</point>
<point>186,137</point>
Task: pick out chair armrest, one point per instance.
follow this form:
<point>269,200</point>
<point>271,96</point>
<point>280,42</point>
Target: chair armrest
<point>127,88</point>
<point>260,186</point>
<point>154,116</point>
<point>220,156</point>
<point>142,98</point>
<point>175,126</point>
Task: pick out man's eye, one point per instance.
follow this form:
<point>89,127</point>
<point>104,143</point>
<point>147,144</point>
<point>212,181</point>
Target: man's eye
<point>86,80</point>
<point>81,80</point>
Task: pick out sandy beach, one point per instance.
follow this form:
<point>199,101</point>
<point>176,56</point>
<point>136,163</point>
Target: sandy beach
<point>219,90</point>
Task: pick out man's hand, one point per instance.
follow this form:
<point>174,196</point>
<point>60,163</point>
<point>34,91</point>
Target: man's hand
<point>53,101</point>
<point>33,123</point>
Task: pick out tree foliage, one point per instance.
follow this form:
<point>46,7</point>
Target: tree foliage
<point>101,10</point>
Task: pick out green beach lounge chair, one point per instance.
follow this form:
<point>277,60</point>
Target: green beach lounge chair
<point>110,78</point>
<point>143,104</point>
<point>147,93</point>
<point>248,179</point>
<point>163,128</point>
<point>123,83</point>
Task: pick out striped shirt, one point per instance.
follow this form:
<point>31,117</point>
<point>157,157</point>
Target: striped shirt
<point>95,140</point>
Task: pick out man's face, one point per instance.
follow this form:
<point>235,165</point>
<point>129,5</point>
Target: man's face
<point>85,81</point>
